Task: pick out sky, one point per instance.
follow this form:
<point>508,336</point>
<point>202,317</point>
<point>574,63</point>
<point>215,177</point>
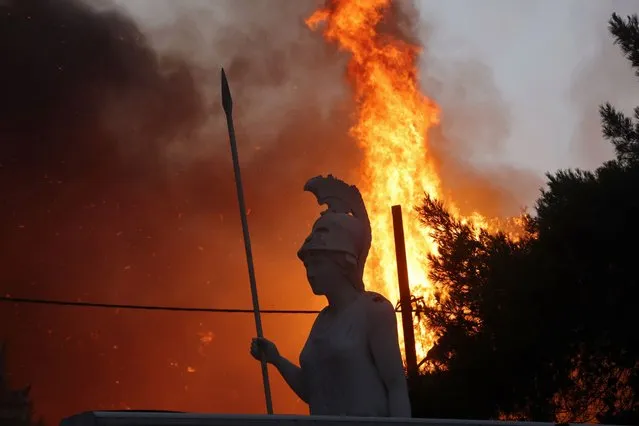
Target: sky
<point>546,59</point>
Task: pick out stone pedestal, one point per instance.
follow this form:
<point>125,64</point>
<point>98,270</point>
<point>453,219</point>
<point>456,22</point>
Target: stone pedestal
<point>151,418</point>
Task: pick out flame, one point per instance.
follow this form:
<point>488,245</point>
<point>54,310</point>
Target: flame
<point>392,130</point>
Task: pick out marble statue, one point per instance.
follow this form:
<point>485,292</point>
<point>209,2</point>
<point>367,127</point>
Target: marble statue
<point>351,363</point>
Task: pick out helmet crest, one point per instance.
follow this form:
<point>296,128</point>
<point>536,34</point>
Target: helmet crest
<point>344,226</point>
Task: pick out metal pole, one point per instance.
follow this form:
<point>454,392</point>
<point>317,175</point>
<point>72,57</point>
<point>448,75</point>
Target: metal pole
<point>404,292</point>
<point>227,103</point>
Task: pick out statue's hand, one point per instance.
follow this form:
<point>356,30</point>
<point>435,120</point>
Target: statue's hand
<point>262,348</point>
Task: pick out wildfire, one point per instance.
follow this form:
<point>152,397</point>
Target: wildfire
<point>392,130</point>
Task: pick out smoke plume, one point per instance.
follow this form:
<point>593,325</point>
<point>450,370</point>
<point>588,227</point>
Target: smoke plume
<point>476,125</point>
<point>117,186</point>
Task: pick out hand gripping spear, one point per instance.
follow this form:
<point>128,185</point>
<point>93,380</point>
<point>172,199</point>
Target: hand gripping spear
<point>227,103</point>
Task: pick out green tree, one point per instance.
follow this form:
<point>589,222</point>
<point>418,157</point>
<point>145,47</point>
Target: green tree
<point>623,131</point>
<point>542,328</point>
<point>495,355</point>
<point>16,407</point>
<point>588,223</point>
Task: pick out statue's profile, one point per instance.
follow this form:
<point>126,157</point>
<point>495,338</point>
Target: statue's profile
<point>351,363</point>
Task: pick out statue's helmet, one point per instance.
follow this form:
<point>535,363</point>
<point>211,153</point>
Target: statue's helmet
<point>343,227</point>
<point>337,232</point>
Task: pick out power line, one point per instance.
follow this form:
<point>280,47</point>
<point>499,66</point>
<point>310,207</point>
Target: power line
<point>7,299</point>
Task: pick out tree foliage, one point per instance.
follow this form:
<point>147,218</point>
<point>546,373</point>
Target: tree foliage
<point>16,406</point>
<point>544,327</point>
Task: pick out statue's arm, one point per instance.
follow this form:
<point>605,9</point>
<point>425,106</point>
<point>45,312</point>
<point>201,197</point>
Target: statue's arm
<point>293,376</point>
<point>384,344</point>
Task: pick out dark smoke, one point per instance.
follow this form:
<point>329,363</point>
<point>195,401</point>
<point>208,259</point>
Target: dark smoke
<point>95,206</point>
<point>85,87</point>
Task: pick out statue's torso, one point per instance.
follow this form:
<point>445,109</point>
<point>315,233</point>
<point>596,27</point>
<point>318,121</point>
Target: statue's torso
<point>338,367</point>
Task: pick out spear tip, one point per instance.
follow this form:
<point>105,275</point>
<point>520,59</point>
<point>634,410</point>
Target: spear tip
<point>227,100</point>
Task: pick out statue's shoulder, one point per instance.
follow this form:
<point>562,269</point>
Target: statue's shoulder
<point>375,297</point>
<point>377,303</point>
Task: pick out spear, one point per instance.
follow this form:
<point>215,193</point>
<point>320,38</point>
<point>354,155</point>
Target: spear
<point>227,104</point>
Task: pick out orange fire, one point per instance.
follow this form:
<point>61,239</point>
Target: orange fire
<point>392,130</point>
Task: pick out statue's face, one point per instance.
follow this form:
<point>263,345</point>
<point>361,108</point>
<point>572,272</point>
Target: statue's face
<point>322,271</point>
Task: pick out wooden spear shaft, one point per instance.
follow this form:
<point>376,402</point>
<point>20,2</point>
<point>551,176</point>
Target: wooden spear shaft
<point>227,104</point>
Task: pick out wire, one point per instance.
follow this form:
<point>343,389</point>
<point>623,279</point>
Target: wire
<point>7,299</point>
